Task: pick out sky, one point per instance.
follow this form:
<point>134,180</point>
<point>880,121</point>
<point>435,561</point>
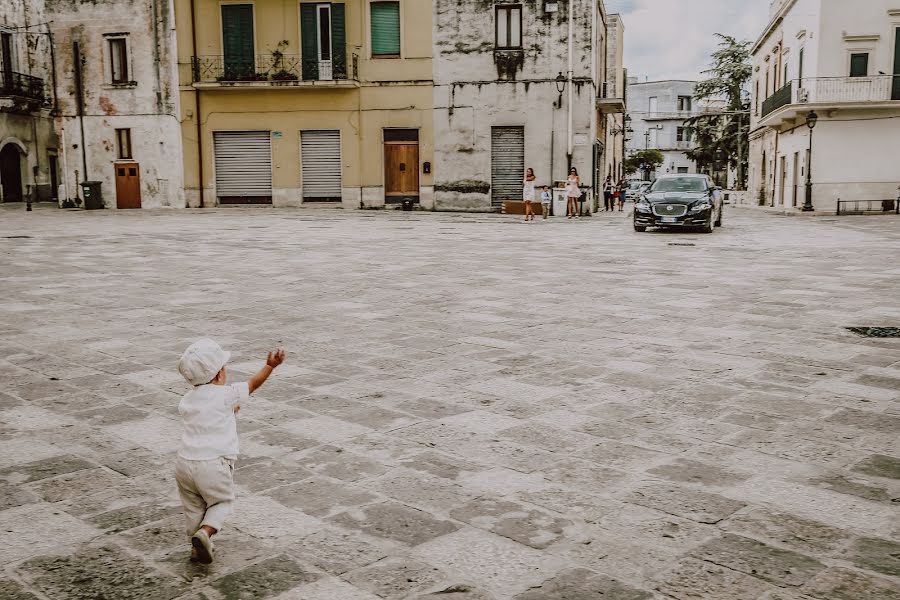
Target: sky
<point>673,39</point>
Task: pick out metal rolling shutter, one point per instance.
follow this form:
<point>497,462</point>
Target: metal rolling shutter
<point>507,163</point>
<point>243,164</point>
<point>320,164</point>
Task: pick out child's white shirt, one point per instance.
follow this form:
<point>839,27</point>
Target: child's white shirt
<point>210,428</point>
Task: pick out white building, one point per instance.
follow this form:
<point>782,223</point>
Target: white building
<point>117,91</point>
<point>658,110</point>
<point>498,108</point>
<point>615,87</point>
<point>840,60</point>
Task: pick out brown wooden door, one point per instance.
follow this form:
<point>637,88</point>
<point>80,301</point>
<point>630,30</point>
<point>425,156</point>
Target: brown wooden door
<point>128,185</point>
<point>401,170</point>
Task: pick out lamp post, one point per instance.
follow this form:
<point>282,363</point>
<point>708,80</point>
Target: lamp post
<point>560,87</point>
<point>811,119</point>
<point>624,130</point>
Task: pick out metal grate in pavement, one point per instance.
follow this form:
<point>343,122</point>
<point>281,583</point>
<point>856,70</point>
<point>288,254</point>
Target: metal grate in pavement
<point>876,332</point>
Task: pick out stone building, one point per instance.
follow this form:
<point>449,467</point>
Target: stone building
<point>310,103</point>
<point>28,144</point>
<point>658,110</point>
<point>612,124</point>
<point>841,61</point>
<point>517,85</point>
<point>118,117</point>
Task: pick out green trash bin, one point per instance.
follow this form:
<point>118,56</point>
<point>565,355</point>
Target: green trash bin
<point>92,194</point>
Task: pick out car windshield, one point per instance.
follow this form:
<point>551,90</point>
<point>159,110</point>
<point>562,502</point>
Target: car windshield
<point>679,184</point>
<point>633,185</point>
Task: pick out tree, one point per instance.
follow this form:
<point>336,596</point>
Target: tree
<point>722,139</point>
<point>648,160</point>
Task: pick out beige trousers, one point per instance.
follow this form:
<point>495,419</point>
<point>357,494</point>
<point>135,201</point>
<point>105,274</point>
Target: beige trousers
<point>206,488</point>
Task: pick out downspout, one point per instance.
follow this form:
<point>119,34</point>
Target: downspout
<point>597,90</point>
<point>79,101</point>
<point>570,149</point>
<point>198,116</point>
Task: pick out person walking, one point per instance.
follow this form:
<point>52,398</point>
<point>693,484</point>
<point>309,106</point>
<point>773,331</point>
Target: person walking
<point>573,193</point>
<point>623,191</point>
<point>546,200</point>
<point>528,193</point>
<point>608,194</point>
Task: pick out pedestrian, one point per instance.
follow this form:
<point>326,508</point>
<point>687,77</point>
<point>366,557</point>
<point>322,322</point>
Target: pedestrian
<point>204,468</point>
<point>546,200</point>
<point>623,191</point>
<point>608,194</point>
<point>573,193</point>
<point>528,193</point>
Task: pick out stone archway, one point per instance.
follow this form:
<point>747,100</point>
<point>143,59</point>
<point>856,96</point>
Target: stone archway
<point>11,173</point>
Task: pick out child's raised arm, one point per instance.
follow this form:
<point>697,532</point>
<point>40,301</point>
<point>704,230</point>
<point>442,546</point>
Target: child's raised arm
<point>272,360</point>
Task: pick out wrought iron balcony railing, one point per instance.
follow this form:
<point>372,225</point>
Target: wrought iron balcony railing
<point>19,85</point>
<point>834,90</point>
<point>780,98</point>
<point>275,68</point>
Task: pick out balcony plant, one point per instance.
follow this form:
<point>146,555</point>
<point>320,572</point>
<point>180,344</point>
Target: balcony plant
<point>284,75</point>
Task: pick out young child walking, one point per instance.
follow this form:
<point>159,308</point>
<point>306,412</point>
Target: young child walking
<point>204,469</point>
<point>546,199</point>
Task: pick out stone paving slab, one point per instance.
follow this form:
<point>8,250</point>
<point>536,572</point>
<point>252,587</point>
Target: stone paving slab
<point>621,419</point>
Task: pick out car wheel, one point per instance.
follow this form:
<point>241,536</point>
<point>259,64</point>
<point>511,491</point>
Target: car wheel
<point>640,228</point>
<point>719,220</point>
<point>710,225</point>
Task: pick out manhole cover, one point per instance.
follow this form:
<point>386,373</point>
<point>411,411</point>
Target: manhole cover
<point>876,332</point>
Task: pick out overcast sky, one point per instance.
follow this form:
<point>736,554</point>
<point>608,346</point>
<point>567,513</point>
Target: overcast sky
<point>673,39</point>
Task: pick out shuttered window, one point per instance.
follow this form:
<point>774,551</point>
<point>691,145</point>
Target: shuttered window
<point>385,17</point>
<point>507,163</point>
<point>243,161</point>
<point>237,41</point>
<point>320,164</point>
<point>323,41</point>
<point>859,64</point>
<point>509,26</point>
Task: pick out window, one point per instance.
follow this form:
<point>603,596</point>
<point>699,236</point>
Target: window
<point>323,40</point>
<point>123,143</point>
<point>385,23</point>
<point>509,26</point>
<point>684,134</point>
<point>800,67</point>
<point>237,42</point>
<point>786,72</point>
<point>756,98</point>
<point>684,103</point>
<point>683,169</point>
<point>652,105</point>
<point>859,64</point>
<point>118,59</point>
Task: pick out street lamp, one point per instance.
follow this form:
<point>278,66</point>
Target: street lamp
<point>811,119</point>
<point>560,87</point>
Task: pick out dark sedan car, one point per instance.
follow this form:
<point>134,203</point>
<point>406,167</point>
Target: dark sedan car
<point>680,201</point>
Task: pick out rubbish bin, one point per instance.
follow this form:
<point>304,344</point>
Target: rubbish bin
<point>407,204</point>
<point>92,194</point>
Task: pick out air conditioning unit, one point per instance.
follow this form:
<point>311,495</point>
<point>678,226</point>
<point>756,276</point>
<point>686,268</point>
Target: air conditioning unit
<point>803,95</point>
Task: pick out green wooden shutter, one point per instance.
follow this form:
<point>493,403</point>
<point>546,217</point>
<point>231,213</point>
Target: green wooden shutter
<point>895,91</point>
<point>309,41</point>
<point>338,42</point>
<point>237,41</point>
<point>859,64</point>
<point>385,28</point>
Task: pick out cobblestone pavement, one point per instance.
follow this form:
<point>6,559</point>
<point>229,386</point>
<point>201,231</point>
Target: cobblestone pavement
<point>473,407</point>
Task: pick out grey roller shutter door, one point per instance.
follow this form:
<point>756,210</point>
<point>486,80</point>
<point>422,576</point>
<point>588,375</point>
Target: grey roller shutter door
<point>243,164</point>
<point>320,164</point>
<point>507,163</point>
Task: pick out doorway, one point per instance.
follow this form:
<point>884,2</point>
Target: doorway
<point>6,59</point>
<point>324,51</point>
<point>128,185</point>
<point>782,192</point>
<point>895,89</point>
<point>401,165</point>
<point>11,173</point>
<point>53,159</point>
<point>796,178</point>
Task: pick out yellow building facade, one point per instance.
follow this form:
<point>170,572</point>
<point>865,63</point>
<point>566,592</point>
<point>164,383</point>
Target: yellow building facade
<point>298,102</point>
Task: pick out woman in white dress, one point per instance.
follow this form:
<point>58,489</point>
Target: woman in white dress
<point>528,193</point>
<point>573,193</point>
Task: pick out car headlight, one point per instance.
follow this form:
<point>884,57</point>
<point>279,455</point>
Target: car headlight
<point>642,205</point>
<point>701,207</point>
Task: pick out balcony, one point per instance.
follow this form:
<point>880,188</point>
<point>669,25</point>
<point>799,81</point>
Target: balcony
<point>274,70</point>
<point>608,105</point>
<point>21,87</point>
<point>800,96</point>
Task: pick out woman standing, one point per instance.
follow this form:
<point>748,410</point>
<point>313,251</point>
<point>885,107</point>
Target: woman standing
<point>573,193</point>
<point>608,194</point>
<point>623,190</point>
<point>528,193</point>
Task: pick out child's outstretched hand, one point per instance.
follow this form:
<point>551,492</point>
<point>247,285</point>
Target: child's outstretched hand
<point>275,358</point>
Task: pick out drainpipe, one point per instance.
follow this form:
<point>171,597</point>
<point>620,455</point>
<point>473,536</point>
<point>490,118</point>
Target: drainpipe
<point>53,69</point>
<point>65,154</point>
<point>198,116</point>
<point>571,146</point>
<point>79,101</point>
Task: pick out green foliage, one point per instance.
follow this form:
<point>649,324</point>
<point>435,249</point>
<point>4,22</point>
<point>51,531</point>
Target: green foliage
<point>722,140</point>
<point>648,160</point>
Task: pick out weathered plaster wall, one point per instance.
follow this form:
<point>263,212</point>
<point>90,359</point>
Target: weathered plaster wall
<point>477,88</point>
<point>28,125</point>
<point>147,105</point>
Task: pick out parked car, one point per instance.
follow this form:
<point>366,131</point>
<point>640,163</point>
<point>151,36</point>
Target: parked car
<point>635,188</point>
<point>680,201</point>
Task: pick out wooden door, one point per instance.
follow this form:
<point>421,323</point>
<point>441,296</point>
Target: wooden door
<point>401,170</point>
<point>128,185</point>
